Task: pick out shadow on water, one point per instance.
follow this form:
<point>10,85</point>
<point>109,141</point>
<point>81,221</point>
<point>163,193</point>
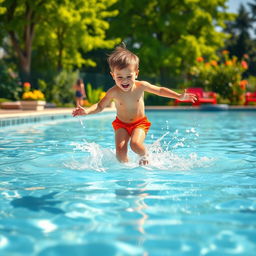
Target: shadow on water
<point>32,203</point>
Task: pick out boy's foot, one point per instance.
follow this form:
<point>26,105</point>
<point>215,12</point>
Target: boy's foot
<point>143,161</point>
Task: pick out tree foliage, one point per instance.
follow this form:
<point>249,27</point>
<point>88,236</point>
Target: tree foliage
<point>169,35</point>
<point>71,29</point>
<point>57,31</point>
<point>18,22</point>
<point>241,43</point>
<point>10,87</point>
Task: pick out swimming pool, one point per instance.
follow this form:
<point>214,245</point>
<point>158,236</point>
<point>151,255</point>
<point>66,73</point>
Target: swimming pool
<point>64,193</point>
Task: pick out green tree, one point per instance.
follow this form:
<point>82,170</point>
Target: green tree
<point>169,35</point>
<point>73,28</point>
<point>18,22</point>
<point>58,30</point>
<point>252,66</point>
<point>253,12</point>
<point>240,43</point>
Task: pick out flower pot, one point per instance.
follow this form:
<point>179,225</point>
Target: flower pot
<point>32,105</point>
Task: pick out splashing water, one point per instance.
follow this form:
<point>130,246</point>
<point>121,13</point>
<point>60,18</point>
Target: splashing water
<point>162,155</point>
<point>81,122</point>
<point>94,158</point>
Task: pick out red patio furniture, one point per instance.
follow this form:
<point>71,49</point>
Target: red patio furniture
<point>250,97</point>
<point>202,97</point>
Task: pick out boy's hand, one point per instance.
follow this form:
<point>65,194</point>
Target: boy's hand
<point>79,111</point>
<point>188,96</point>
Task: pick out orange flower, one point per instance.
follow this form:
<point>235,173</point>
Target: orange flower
<point>214,63</point>
<point>244,64</point>
<point>26,85</point>
<point>200,59</point>
<point>228,63</point>
<point>225,52</point>
<point>234,60</point>
<point>243,84</point>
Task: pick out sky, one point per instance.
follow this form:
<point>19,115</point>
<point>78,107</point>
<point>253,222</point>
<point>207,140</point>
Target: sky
<point>233,5</point>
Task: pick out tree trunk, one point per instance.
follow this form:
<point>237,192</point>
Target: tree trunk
<point>24,55</point>
<point>60,34</point>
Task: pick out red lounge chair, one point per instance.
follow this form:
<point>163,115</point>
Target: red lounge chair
<point>202,97</point>
<point>250,97</point>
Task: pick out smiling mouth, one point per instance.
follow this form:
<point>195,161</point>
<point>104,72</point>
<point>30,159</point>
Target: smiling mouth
<point>125,86</point>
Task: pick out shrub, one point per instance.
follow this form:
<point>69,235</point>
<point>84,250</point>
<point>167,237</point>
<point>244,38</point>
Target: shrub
<point>223,77</point>
<point>10,87</point>
<point>94,95</point>
<point>60,91</point>
<point>251,87</point>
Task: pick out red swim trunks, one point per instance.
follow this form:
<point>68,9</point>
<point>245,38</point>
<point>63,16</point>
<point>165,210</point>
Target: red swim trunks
<point>142,123</point>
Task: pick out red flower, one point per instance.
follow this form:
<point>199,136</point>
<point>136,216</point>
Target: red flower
<point>244,64</point>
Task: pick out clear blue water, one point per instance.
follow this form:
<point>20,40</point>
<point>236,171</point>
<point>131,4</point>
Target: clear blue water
<point>63,192</point>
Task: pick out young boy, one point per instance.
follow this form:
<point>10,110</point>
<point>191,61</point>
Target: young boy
<point>130,124</point>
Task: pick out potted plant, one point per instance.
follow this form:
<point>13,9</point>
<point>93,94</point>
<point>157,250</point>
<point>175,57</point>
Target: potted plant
<point>32,100</point>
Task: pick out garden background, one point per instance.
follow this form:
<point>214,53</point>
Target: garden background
<point>188,43</point>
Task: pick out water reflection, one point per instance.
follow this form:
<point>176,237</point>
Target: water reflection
<point>44,202</point>
<point>136,197</point>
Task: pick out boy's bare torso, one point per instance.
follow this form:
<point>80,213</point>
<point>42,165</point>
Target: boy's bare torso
<point>129,105</point>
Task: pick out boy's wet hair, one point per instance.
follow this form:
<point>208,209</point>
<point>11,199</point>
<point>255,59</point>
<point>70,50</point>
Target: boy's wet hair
<point>121,58</point>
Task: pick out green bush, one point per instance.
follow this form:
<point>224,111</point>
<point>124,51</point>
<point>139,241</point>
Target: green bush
<point>223,77</point>
<point>3,100</point>
<point>94,95</point>
<point>60,91</point>
<point>10,87</point>
<point>251,87</point>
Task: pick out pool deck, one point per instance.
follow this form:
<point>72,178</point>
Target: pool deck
<point>15,113</point>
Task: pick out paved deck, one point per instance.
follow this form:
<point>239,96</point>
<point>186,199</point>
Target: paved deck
<point>13,113</point>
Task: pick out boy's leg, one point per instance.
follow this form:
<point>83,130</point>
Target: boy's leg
<point>137,143</point>
<point>122,137</point>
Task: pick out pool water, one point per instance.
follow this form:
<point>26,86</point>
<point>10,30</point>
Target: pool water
<point>64,193</point>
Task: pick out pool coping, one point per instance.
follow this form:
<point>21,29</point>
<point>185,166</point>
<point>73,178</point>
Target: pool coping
<point>17,117</point>
<point>22,113</point>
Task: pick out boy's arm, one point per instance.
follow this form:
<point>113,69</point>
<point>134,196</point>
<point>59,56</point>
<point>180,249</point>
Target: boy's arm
<point>166,92</point>
<point>95,108</point>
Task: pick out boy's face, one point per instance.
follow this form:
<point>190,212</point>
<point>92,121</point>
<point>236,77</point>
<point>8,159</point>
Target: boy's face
<point>125,78</point>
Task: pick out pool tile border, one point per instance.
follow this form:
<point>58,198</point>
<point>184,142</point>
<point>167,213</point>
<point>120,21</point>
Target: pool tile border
<point>32,119</point>
<point>8,118</point>
<point>20,118</point>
